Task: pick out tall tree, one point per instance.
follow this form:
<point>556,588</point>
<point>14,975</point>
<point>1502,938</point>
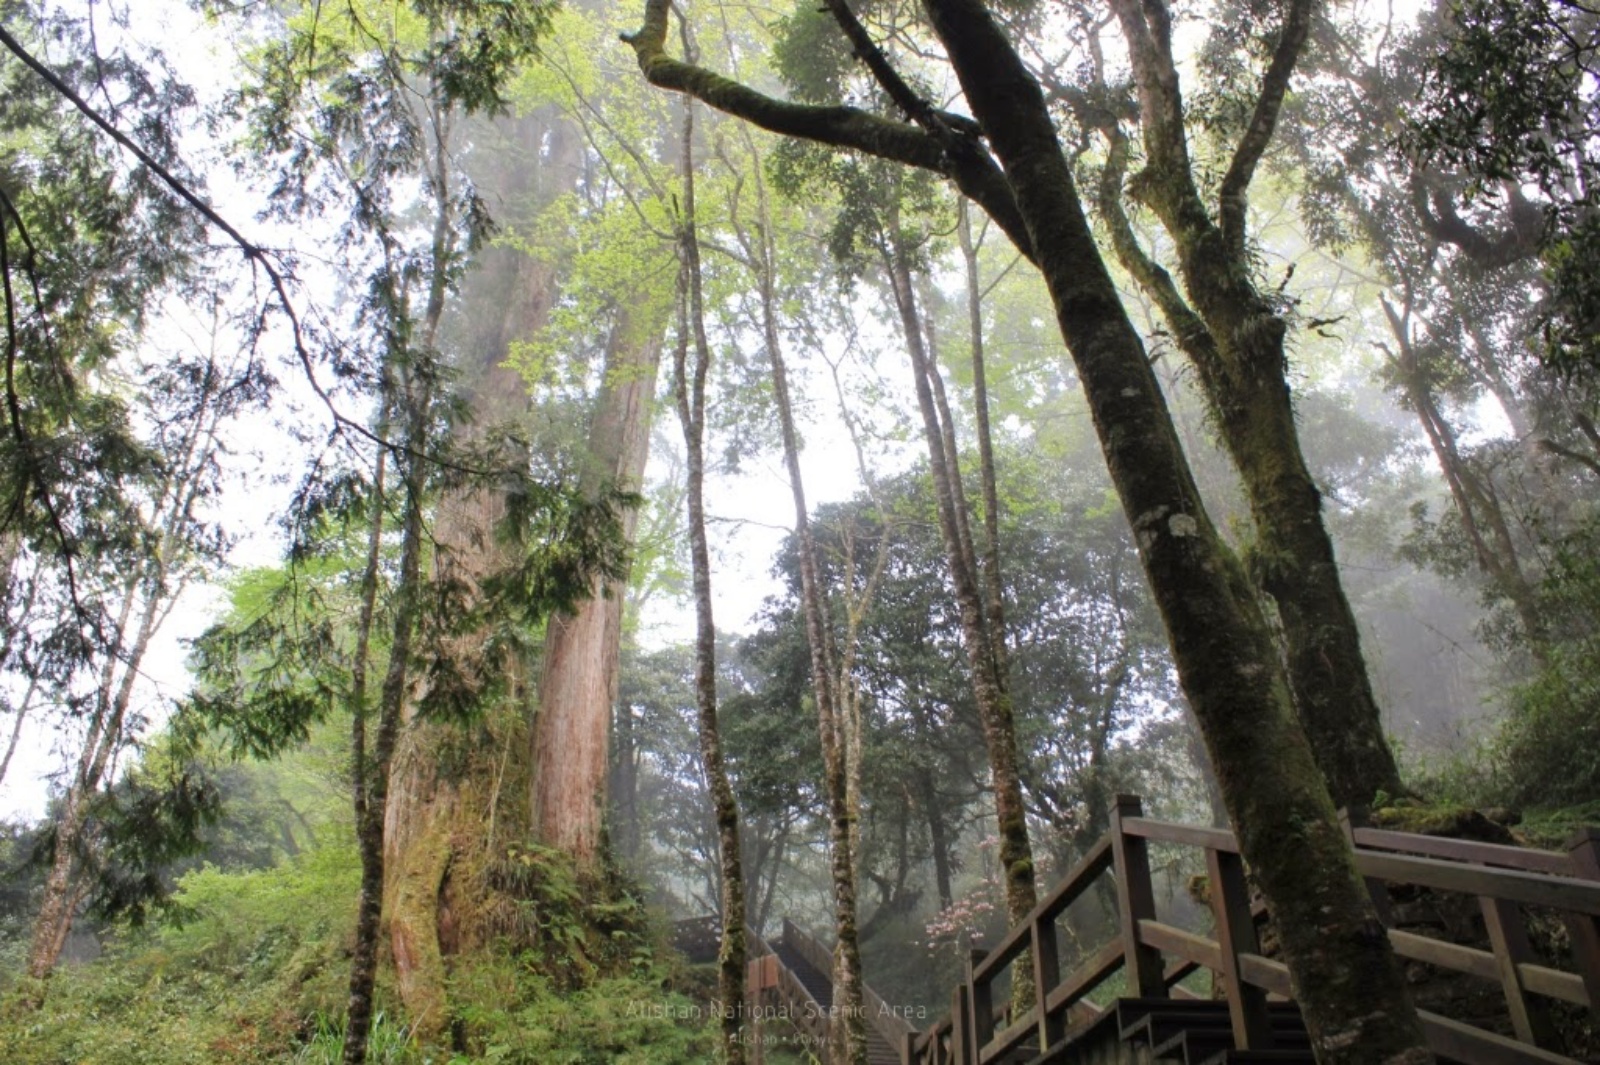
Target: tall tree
<point>1230,329</point>
<point>689,385</point>
<point>110,447</point>
<point>1348,981</point>
<point>623,197</point>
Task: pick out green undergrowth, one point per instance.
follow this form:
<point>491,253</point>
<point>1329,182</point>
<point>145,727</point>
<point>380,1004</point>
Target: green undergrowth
<point>566,972</point>
<point>258,957</point>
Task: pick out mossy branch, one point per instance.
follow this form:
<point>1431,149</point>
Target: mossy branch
<point>1194,339</point>
<point>1274,85</point>
<point>963,161</point>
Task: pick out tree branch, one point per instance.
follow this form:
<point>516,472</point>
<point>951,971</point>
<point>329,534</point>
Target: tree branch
<point>964,162</point>
<point>1274,85</point>
<point>941,124</point>
<point>1548,445</point>
<point>252,251</point>
<point>1192,335</point>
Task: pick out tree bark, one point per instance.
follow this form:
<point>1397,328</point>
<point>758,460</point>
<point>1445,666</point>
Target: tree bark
<point>691,403</point>
<point>985,645</point>
<point>517,292</point>
<point>578,687</point>
<point>1236,341</point>
<point>1348,982</point>
<point>364,958</point>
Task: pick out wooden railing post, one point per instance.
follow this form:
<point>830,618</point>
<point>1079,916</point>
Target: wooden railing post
<point>1236,935</point>
<point>1136,900</point>
<point>1508,938</point>
<point>1046,974</point>
<point>980,1001</point>
<point>960,1032</point>
<point>1584,929</point>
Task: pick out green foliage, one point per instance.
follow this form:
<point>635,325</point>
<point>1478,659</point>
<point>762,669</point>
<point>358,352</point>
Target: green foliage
<point>1550,745</point>
<point>572,973</point>
<point>1509,100</point>
<point>258,955</point>
<point>387,1043</point>
<point>1542,754</point>
<point>256,973</point>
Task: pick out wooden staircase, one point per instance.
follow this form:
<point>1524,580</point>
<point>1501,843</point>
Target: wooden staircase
<point>790,954</point>
<point>790,977</point>
<point>1179,1031</point>
<point>1255,1023</point>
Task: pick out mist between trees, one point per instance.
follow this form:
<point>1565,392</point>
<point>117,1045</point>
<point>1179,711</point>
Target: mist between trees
<point>1029,404</point>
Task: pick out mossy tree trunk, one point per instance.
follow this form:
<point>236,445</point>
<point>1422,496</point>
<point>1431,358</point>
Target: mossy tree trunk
<point>409,381</point>
<point>1347,980</point>
<point>415,404</point>
<point>1235,338</point>
<point>690,391</point>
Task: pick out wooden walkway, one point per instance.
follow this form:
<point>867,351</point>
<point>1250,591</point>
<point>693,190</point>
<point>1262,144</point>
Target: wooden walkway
<point>1253,1022</point>
<point>1162,1022</point>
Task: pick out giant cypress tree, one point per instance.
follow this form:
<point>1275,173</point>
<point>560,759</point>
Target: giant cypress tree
<point>364,110</point>
<point>1008,158</point>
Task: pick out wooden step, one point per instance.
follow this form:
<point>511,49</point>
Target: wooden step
<point>1261,1057</point>
<point>1158,1028</point>
<point>1193,1046</point>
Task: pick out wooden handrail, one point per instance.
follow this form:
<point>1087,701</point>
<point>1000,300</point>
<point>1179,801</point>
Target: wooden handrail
<point>1074,884</point>
<point>891,1025</point>
<point>1211,839</point>
<point>1502,878</point>
<point>1525,858</point>
<point>1532,889</point>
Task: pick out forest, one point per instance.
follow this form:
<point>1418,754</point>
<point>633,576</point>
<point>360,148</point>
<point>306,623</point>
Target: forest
<point>526,526</point>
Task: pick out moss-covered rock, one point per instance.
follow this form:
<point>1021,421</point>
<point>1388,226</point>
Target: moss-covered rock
<point>1453,821</point>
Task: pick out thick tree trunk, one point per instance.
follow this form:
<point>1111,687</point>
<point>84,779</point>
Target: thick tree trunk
<point>578,688</point>
<point>1236,342</point>
<point>1293,561</point>
<point>1347,980</point>
<point>416,859</point>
